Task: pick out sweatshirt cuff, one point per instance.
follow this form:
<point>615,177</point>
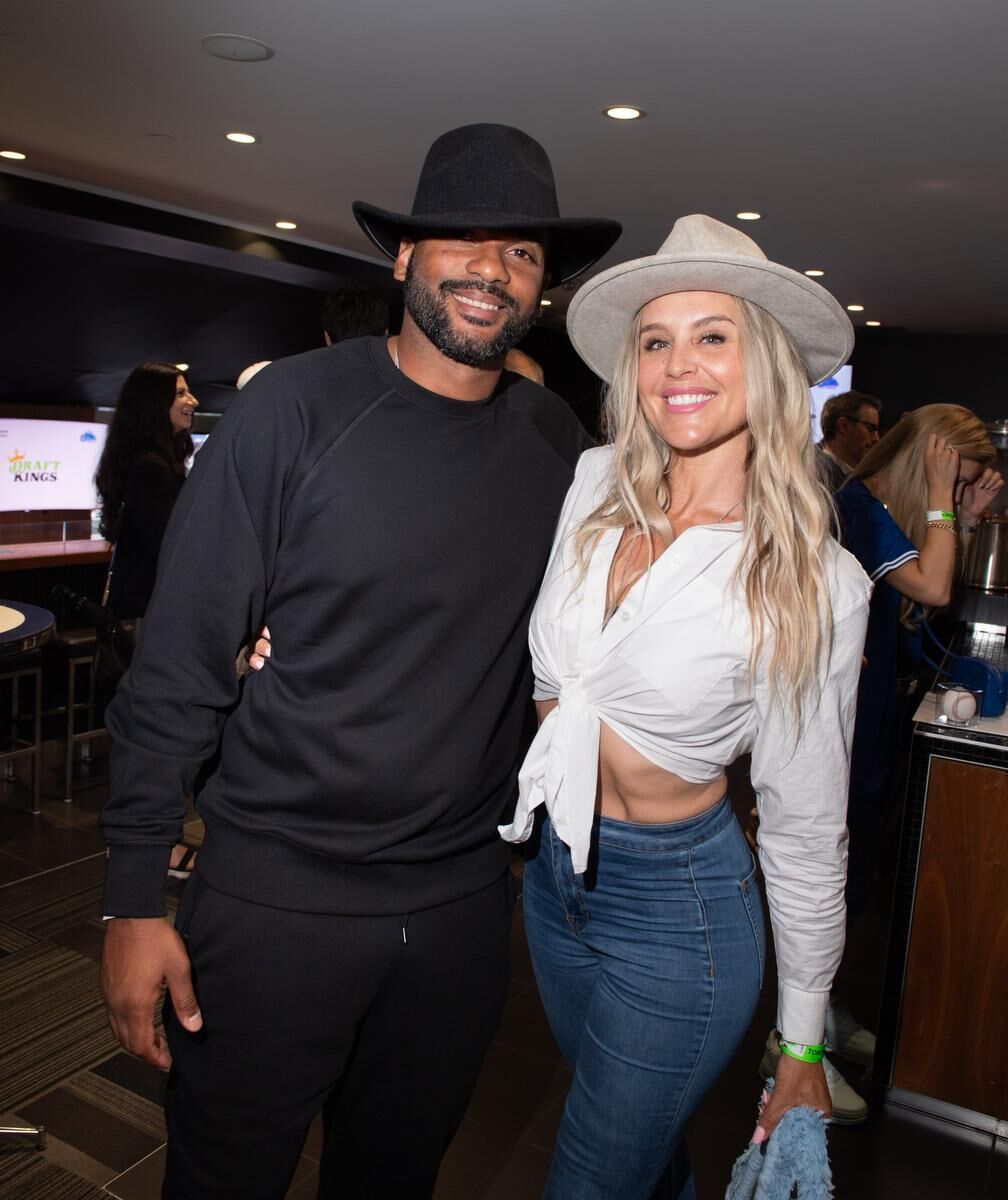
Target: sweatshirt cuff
<point>135,881</point>
<point>801,1015</point>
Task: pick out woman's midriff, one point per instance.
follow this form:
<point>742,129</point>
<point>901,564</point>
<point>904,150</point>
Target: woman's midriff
<point>632,788</point>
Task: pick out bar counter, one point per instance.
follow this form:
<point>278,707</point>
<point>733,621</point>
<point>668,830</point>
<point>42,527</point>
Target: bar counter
<point>942,1037</point>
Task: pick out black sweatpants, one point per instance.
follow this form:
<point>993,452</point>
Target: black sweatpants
<point>380,1023</point>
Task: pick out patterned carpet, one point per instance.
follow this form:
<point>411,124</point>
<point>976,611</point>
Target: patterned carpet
<point>60,1065</point>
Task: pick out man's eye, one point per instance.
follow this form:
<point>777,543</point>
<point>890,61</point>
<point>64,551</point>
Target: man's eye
<point>525,253</point>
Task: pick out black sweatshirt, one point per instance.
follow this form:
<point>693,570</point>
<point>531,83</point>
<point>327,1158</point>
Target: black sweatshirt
<point>393,541</point>
<point>151,489</point>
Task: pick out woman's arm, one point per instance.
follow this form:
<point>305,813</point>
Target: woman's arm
<point>928,579</point>
<point>800,779</point>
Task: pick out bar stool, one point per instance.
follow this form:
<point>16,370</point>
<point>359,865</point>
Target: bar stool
<point>24,628</point>
<point>81,648</point>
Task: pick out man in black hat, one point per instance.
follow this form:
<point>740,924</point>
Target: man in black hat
<point>387,508</point>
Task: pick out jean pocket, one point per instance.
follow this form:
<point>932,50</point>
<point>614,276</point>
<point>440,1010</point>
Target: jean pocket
<point>750,893</point>
<point>190,902</point>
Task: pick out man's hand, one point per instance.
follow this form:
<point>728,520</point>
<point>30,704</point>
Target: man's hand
<point>797,1084</point>
<point>141,957</point>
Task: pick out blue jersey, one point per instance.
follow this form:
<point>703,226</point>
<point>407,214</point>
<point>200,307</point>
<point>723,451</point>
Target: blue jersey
<point>880,546</point>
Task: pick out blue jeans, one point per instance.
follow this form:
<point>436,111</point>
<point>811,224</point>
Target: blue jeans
<point>649,970</point>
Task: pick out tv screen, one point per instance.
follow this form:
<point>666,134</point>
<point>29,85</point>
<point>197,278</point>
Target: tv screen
<point>50,464</point>
<point>840,382</point>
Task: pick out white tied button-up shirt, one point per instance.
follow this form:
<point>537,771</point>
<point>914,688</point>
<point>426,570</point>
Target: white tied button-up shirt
<point>670,675</point>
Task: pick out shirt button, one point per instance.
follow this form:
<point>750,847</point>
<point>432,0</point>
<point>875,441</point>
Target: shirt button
<point>624,615</point>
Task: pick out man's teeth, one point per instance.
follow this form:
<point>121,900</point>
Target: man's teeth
<point>690,398</point>
<point>476,303</point>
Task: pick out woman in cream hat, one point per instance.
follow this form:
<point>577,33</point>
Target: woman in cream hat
<point>694,609</point>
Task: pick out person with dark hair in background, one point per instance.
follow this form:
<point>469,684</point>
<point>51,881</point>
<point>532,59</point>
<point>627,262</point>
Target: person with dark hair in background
<point>850,427</point>
<point>386,506</point>
<point>353,310</point>
<point>139,477</point>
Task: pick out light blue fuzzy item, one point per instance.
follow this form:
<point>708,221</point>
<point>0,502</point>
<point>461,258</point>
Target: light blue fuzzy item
<point>796,1162</point>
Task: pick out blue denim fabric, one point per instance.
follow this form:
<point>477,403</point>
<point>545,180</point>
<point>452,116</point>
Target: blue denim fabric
<point>649,969</point>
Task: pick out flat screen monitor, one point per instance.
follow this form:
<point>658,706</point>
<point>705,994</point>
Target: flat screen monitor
<point>840,382</point>
<point>49,464</point>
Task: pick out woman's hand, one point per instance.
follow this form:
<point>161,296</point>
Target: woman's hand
<point>797,1084</point>
<point>254,659</point>
<point>941,470</point>
<point>978,496</point>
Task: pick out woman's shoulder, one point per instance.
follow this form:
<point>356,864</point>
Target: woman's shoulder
<point>595,465</point>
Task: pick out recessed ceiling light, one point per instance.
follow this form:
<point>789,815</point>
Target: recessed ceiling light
<point>855,308</point>
<point>749,216</point>
<point>236,47</point>
<point>815,273</point>
<point>160,139</point>
<point>545,303</point>
<point>16,155</point>
<point>243,139</point>
<point>181,366</point>
<point>624,112</point>
<point>873,324</point>
<point>286,225</point>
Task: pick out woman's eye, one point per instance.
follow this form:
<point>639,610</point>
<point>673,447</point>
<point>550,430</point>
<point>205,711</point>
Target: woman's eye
<point>654,344</point>
<point>713,339</point>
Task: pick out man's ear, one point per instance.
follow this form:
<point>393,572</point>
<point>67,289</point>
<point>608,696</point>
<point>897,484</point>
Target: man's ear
<point>402,260</point>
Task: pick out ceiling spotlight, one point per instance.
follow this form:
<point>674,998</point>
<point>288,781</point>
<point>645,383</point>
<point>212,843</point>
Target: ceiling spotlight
<point>624,112</point>
<point>235,47</point>
<point>181,366</point>
<point>16,155</point>
<point>243,139</point>
<point>855,308</point>
<point>545,303</point>
<point>873,324</point>
<point>286,225</point>
<point>160,139</point>
<point>748,216</point>
<point>815,273</point>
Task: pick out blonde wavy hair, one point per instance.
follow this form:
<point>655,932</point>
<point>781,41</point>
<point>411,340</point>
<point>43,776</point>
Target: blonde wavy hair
<point>786,527</point>
<point>897,464</point>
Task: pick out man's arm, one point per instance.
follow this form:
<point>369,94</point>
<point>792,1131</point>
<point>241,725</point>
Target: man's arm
<point>213,579</point>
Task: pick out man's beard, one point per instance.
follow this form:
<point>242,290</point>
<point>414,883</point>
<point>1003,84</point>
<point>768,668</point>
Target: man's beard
<point>429,311</point>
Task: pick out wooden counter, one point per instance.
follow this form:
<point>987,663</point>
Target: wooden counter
<point>942,1037</point>
<point>29,555</point>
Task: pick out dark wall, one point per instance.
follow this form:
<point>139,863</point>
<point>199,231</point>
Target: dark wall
<point>907,370</point>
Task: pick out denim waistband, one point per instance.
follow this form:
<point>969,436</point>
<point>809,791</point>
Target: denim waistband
<point>671,836</point>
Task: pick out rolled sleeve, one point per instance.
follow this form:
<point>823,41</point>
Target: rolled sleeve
<point>801,793</point>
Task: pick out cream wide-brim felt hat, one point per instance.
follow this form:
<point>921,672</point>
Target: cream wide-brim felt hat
<point>704,255</point>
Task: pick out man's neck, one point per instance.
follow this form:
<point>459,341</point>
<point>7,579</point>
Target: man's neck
<point>420,360</point>
<point>834,453</point>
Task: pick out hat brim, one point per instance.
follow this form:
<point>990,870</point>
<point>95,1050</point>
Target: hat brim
<point>575,243</point>
<point>601,311</point>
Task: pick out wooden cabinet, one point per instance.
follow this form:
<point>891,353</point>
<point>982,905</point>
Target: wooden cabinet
<point>952,1037</point>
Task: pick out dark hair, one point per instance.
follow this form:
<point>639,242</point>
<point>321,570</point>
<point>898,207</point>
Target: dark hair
<point>354,311</point>
<point>141,425</point>
<point>845,404</point>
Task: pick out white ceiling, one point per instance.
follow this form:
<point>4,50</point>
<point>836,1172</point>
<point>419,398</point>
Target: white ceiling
<point>871,133</point>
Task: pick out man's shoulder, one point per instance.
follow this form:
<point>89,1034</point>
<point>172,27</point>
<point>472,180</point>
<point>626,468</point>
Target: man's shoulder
<point>551,415</point>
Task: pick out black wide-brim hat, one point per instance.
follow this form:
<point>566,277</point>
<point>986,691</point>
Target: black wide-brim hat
<point>491,177</point>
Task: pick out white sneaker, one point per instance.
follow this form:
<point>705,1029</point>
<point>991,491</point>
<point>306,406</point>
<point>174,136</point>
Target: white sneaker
<point>846,1036</point>
<point>848,1106</point>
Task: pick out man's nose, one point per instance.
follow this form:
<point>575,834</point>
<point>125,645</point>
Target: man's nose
<point>489,263</point>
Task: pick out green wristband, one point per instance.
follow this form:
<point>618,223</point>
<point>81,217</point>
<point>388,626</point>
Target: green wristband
<point>811,1054</point>
<point>940,514</point>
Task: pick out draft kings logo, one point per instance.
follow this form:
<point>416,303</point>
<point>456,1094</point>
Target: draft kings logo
<point>32,470</point>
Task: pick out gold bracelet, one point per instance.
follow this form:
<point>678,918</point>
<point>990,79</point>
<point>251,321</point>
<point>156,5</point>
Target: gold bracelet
<point>949,525</point>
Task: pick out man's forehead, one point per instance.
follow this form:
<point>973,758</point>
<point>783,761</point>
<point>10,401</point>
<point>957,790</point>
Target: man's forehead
<point>539,237</point>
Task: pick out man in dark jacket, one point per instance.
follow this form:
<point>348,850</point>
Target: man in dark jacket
<point>386,507</point>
